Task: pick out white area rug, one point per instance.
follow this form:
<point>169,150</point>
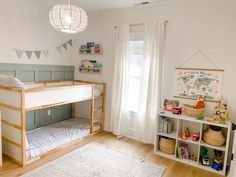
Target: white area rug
<point>96,160</point>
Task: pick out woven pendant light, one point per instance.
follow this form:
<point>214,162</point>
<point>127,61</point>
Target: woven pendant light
<point>68,18</point>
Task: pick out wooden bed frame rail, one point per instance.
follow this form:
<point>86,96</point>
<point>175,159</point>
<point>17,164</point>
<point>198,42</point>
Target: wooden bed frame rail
<point>12,104</point>
<point>13,128</point>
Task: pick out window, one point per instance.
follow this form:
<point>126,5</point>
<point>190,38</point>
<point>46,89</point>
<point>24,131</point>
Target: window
<point>134,74</point>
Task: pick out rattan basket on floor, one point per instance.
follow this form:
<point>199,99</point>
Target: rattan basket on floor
<point>192,111</point>
<point>167,145</point>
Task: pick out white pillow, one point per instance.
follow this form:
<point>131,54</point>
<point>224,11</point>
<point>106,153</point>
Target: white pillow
<point>98,90</point>
<point>11,81</point>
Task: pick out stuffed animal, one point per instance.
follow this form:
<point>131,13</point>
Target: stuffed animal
<point>221,113</point>
<point>218,160</point>
<point>200,103</point>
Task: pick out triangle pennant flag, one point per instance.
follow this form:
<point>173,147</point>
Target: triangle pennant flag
<point>37,53</point>
<point>19,53</point>
<point>45,53</point>
<point>28,53</point>
<point>65,45</point>
<point>59,49</point>
<point>70,42</point>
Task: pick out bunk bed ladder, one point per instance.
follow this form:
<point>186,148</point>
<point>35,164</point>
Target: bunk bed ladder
<point>92,112</point>
<point>100,107</point>
<point>94,107</point>
<point>103,106</point>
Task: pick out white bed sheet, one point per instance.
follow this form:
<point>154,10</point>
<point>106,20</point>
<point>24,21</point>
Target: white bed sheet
<point>51,136</point>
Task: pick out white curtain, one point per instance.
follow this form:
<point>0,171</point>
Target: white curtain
<point>154,36</point>
<point>119,80</point>
<point>150,82</point>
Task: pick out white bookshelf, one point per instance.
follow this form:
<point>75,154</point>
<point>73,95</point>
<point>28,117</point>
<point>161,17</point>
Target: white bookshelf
<point>182,121</point>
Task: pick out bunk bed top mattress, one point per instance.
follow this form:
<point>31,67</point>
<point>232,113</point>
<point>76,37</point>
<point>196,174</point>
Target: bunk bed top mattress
<point>31,85</point>
<point>46,138</point>
<point>98,89</point>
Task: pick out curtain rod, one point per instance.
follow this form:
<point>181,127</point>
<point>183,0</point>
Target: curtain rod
<point>139,24</point>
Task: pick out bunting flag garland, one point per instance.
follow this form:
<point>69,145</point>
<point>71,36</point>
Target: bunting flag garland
<point>59,49</point>
<point>19,53</point>
<point>45,53</point>
<point>40,53</point>
<point>70,43</point>
<point>65,45</point>
<point>28,53</point>
<point>37,53</point>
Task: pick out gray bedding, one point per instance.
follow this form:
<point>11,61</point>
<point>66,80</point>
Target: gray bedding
<point>51,136</point>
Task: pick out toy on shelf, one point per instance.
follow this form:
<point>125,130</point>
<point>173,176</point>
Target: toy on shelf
<point>218,160</point>
<point>177,110</point>
<point>170,104</point>
<point>200,117</point>
<point>193,158</point>
<point>203,151</point>
<point>195,136</point>
<point>217,166</point>
<point>220,114</point>
<point>200,103</point>
<point>205,161</point>
<point>185,134</point>
<point>204,157</point>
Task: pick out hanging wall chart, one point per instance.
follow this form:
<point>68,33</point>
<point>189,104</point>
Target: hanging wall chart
<point>192,82</point>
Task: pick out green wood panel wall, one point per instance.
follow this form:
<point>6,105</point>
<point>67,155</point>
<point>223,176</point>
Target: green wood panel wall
<point>25,72</point>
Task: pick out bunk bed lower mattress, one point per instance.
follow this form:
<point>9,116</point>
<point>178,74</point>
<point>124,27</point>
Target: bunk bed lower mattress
<point>46,138</point>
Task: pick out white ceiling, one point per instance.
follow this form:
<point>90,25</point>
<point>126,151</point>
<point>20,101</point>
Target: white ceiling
<point>92,5</point>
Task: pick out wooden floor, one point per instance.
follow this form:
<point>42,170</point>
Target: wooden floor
<point>173,169</point>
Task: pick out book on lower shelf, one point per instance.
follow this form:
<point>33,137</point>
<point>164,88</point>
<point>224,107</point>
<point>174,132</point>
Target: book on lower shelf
<point>182,151</point>
<point>91,48</point>
<point>166,125</point>
<point>90,66</point>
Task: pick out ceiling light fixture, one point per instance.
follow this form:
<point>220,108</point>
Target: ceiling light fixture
<point>68,18</point>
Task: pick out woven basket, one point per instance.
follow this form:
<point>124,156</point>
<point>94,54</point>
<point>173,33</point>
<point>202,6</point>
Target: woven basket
<point>215,138</point>
<point>192,111</point>
<point>167,145</point>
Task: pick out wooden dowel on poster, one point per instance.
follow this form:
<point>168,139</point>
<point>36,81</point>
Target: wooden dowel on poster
<point>201,69</point>
<point>206,100</point>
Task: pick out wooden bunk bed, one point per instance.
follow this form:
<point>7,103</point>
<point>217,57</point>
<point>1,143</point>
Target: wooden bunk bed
<point>15,102</point>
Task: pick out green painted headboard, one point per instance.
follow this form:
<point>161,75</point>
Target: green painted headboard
<point>30,73</point>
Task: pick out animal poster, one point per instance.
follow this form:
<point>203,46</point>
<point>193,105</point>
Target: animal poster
<point>192,83</point>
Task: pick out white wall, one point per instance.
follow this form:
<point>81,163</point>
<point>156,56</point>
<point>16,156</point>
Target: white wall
<point>208,25</point>
<point>25,25</point>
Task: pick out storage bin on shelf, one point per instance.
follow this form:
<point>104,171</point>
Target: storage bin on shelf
<point>214,136</point>
<point>167,145</point>
<point>193,112</point>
